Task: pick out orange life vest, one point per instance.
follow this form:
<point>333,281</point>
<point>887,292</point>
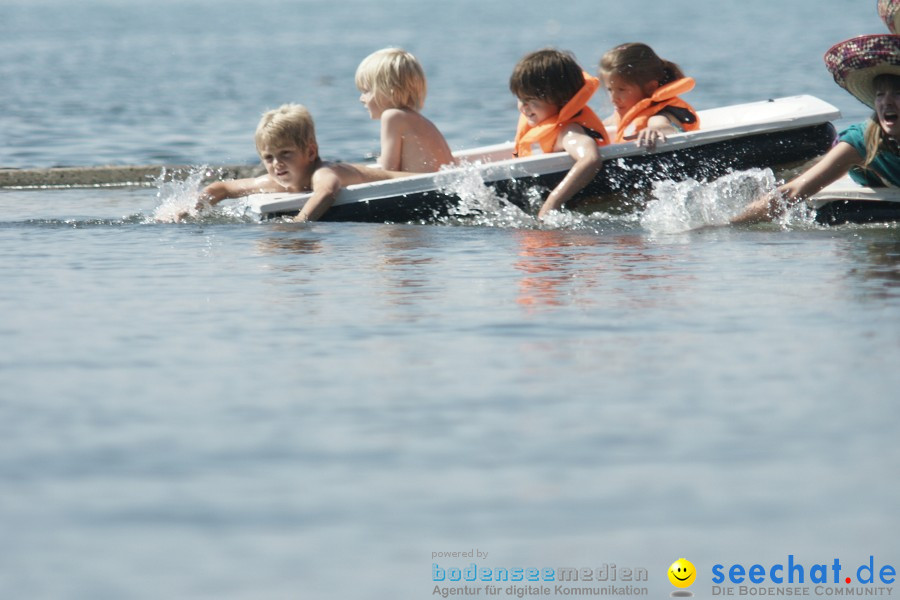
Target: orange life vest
<point>665,97</point>
<point>576,110</point>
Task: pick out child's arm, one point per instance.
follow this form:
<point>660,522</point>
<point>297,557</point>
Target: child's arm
<point>232,188</point>
<point>326,183</point>
<point>829,169</point>
<point>588,162</point>
<point>328,180</point>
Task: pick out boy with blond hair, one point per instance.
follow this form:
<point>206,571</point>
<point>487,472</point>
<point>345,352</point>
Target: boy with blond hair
<point>392,87</point>
<point>286,143</point>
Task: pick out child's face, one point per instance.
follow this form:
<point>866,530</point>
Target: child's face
<point>289,165</point>
<point>537,110</point>
<point>887,106</point>
<point>622,93</point>
<point>373,102</point>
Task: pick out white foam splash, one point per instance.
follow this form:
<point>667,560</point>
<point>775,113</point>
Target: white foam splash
<point>479,204</point>
<point>178,194</point>
<point>482,205</point>
<point>685,205</point>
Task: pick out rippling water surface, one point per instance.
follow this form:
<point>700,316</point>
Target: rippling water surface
<point>229,409</point>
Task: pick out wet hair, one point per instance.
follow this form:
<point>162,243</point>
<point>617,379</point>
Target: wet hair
<point>287,124</point>
<point>549,75</point>
<point>874,136</point>
<point>394,75</point>
<point>639,64</point>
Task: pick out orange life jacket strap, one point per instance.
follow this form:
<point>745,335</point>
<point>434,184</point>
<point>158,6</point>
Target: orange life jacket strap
<point>575,110</point>
<point>667,95</point>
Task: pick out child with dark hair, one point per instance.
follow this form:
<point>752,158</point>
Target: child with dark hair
<point>553,92</point>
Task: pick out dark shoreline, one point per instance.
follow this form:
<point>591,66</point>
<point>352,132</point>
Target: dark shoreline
<point>113,176</point>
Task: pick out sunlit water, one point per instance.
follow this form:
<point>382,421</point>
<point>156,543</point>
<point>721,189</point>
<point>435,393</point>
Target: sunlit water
<point>222,408</point>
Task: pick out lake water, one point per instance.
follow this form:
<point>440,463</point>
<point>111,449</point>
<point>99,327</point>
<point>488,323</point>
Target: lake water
<point>229,409</point>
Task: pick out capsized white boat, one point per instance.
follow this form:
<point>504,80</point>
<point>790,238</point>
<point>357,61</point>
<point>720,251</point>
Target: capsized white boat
<point>761,134</point>
<point>845,201</point>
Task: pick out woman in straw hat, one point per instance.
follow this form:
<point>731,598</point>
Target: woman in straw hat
<point>869,68</point>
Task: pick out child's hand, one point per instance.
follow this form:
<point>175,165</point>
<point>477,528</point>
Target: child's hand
<point>202,205</point>
<point>650,137</point>
<point>764,208</point>
<point>203,202</point>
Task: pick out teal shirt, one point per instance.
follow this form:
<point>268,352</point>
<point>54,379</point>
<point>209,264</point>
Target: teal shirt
<point>886,165</point>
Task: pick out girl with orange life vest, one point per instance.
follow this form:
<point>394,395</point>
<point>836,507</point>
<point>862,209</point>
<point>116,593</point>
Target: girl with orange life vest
<point>553,92</point>
<point>645,90</point>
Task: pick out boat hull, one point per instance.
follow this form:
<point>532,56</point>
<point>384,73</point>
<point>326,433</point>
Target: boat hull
<point>845,201</point>
<point>763,134</point>
<point>621,176</point>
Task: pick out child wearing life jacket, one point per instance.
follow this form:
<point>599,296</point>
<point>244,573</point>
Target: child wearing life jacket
<point>645,90</point>
<point>392,86</point>
<point>552,92</point>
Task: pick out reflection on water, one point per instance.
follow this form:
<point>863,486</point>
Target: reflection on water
<point>379,264</point>
<point>403,269</point>
<point>552,268</point>
<point>289,243</point>
<point>880,268</point>
<point>561,267</point>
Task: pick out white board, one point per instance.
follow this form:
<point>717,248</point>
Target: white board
<point>845,189</point>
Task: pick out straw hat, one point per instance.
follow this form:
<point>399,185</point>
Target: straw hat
<point>855,63</point>
<point>889,11</point>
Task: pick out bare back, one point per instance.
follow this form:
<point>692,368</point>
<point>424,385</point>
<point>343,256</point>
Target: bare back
<point>351,174</point>
<point>412,143</point>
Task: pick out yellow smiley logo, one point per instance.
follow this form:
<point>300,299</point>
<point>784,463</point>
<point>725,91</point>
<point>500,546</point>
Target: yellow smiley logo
<point>682,573</point>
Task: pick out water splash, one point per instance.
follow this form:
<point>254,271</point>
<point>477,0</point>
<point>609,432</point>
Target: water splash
<point>479,203</point>
<point>178,192</point>
<point>482,205</point>
<point>679,206</point>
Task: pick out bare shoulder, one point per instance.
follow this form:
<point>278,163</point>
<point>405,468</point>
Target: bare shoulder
<point>405,119</point>
<point>580,146</point>
<point>263,183</point>
<point>398,116</point>
<point>570,133</point>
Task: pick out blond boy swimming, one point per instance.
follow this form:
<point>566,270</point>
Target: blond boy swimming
<point>286,143</point>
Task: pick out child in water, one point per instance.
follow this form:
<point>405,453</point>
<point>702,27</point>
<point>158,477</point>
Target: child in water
<point>645,89</point>
<point>869,68</point>
<point>392,86</point>
<point>286,143</point>
<point>553,92</point>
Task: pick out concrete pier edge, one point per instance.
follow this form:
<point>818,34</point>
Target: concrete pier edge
<point>113,176</point>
